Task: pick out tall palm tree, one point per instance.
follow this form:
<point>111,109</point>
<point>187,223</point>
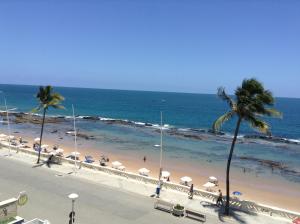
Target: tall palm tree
<point>251,103</point>
<point>47,98</point>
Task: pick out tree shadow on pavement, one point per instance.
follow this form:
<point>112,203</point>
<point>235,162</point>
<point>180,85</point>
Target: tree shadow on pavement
<point>38,165</point>
<point>235,215</point>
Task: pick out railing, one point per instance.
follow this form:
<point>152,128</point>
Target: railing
<point>244,205</point>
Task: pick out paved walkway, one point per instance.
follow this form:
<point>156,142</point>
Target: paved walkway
<point>104,197</point>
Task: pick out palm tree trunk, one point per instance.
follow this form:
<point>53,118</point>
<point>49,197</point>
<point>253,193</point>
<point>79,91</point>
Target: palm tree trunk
<point>228,165</point>
<point>41,136</point>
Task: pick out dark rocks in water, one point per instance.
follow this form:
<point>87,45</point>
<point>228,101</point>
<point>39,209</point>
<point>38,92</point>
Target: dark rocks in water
<point>148,124</point>
<point>265,162</point>
<point>32,118</point>
<point>192,136</point>
<point>92,118</point>
<point>216,132</point>
<point>80,135</point>
<point>272,139</point>
<point>54,131</point>
<point>85,136</point>
<point>183,134</point>
<point>198,130</point>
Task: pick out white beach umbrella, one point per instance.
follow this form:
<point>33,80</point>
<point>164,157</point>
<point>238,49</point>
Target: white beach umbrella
<point>165,174</point>
<point>122,168</point>
<point>185,179</point>
<point>11,137</point>
<point>144,171</point>
<point>36,139</point>
<point>59,150</point>
<point>209,185</point>
<point>44,146</point>
<point>75,154</point>
<point>213,179</point>
<point>116,164</point>
<point>3,136</point>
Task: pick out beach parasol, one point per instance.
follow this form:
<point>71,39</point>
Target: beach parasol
<point>185,180</point>
<point>122,168</point>
<point>144,171</point>
<point>296,221</point>
<point>165,174</point>
<point>209,185</point>
<point>36,139</point>
<point>116,164</point>
<point>11,137</point>
<point>237,193</point>
<point>3,136</point>
<point>59,152</point>
<point>213,179</point>
<point>44,146</point>
<point>75,154</point>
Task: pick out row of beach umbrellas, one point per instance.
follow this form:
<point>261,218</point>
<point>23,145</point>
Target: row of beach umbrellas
<point>186,180</point>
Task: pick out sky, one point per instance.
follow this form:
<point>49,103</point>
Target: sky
<point>159,45</point>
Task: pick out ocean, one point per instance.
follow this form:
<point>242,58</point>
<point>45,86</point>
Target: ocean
<point>128,121</point>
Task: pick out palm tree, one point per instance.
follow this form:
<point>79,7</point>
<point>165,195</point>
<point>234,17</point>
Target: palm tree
<point>47,98</point>
<point>251,103</point>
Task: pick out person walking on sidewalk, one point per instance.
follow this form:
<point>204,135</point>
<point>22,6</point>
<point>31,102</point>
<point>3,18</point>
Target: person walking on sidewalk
<point>191,192</point>
<point>220,199</point>
<point>158,190</point>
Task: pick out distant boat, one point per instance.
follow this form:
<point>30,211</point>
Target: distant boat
<point>156,145</point>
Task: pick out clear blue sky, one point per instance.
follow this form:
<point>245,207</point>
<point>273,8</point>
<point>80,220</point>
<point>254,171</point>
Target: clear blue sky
<point>180,46</point>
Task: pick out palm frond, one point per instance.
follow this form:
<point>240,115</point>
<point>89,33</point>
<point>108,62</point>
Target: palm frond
<point>221,120</point>
<point>222,94</point>
<point>258,124</point>
<point>273,113</point>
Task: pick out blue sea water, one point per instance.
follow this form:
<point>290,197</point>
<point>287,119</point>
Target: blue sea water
<point>180,110</point>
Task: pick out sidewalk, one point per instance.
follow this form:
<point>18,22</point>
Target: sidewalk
<point>206,207</point>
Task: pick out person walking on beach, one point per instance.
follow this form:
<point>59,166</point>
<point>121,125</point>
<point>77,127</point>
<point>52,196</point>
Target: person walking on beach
<point>191,192</point>
<point>144,159</point>
<point>220,199</point>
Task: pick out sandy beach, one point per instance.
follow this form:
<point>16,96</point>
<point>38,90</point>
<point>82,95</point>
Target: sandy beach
<point>281,194</point>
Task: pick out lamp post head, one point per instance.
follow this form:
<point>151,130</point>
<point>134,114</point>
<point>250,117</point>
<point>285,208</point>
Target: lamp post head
<point>73,196</point>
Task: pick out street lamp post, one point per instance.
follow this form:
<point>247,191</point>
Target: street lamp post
<point>161,142</point>
<point>8,124</point>
<point>75,138</point>
<point>73,197</point>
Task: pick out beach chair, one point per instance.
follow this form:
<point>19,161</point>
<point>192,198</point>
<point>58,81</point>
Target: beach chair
<point>89,159</point>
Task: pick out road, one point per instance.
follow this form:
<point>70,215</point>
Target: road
<point>96,204</point>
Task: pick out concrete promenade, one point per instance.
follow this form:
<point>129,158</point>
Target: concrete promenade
<point>103,198</point>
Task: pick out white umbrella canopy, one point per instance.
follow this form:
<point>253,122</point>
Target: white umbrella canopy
<point>165,174</point>
<point>122,168</point>
<point>144,171</point>
<point>3,136</point>
<point>116,164</point>
<point>75,153</point>
<point>36,139</point>
<point>44,146</point>
<point>209,185</point>
<point>59,150</point>
<point>186,179</point>
<point>11,137</point>
<point>213,179</point>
